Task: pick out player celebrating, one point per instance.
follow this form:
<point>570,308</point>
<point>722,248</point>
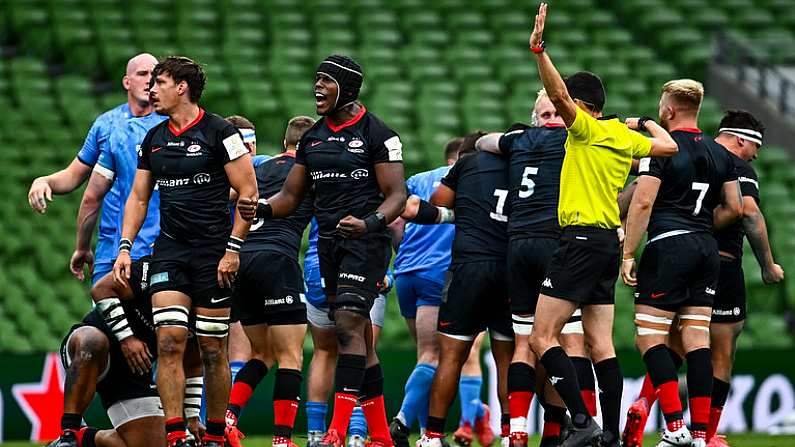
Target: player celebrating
<point>584,268</point>
<point>192,158</point>
<point>423,255</point>
<point>741,134</point>
<point>267,299</point>
<point>476,188</point>
<point>676,198</point>
<point>354,162</point>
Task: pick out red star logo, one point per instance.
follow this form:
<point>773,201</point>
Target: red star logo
<point>43,402</point>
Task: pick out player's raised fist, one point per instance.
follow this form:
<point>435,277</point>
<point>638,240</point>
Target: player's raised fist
<point>773,275</point>
<point>247,207</point>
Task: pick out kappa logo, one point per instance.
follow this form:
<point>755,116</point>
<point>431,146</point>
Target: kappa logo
<point>554,380</point>
<point>710,291</point>
<point>360,174</point>
<point>547,283</point>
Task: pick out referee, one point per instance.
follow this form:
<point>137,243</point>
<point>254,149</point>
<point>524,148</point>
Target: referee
<point>193,158</point>
<point>584,268</point>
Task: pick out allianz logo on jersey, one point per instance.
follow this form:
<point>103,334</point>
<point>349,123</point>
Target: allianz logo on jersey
<point>333,138</point>
<point>319,175</point>
<point>360,173</point>
<point>199,179</point>
<point>175,143</point>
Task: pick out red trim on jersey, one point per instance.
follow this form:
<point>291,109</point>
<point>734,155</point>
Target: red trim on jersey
<point>190,124</point>
<point>350,122</point>
<point>554,125</point>
<point>687,129</point>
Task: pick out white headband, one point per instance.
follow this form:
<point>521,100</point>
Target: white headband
<point>748,134</point>
<point>249,136</point>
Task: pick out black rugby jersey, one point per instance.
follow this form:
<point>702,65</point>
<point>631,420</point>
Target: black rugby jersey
<point>480,182</point>
<point>340,163</point>
<point>282,235</point>
<point>692,181</point>
<point>188,168</point>
<point>730,238</point>
<point>536,156</point>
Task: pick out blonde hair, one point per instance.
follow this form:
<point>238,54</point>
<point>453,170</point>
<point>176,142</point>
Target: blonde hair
<point>534,116</point>
<point>687,93</point>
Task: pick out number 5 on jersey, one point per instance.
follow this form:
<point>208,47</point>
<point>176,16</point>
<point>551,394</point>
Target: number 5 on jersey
<point>528,185</point>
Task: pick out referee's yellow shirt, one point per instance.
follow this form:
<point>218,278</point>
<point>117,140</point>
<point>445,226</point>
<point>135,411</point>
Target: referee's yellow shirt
<point>599,154</point>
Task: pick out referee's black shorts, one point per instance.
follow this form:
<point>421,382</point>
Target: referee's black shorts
<point>679,271</point>
<point>584,267</point>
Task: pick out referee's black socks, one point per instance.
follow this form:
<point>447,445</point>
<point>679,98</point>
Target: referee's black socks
<point>563,377</point>
<point>611,385</point>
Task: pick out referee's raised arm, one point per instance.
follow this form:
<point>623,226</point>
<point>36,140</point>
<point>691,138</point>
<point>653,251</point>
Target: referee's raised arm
<point>553,82</point>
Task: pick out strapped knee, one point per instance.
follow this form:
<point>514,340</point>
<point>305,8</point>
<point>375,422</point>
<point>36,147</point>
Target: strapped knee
<point>353,301</point>
<point>574,324</point>
<point>170,316</point>
<point>207,326</point>
<point>652,325</point>
<point>523,325</point>
<point>694,321</point>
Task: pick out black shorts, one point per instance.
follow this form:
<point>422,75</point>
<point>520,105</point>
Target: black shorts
<point>730,304</point>
<point>268,290</point>
<point>190,269</point>
<point>475,298</point>
<point>584,267</point>
<point>353,270</point>
<point>528,259</point>
<point>117,382</point>
<point>678,271</point>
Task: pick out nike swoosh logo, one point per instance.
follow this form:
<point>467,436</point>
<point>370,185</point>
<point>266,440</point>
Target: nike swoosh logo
<point>654,296</point>
<point>218,300</point>
<point>155,149</point>
<point>445,323</point>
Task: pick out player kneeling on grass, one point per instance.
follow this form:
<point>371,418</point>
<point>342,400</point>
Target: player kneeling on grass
<point>267,299</point>
<point>111,353</point>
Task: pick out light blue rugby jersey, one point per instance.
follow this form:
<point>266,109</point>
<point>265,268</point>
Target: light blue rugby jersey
<point>425,248</point>
<point>120,162</point>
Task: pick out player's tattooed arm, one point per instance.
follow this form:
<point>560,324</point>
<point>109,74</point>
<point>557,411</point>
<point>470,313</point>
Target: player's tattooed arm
<point>62,182</point>
<point>731,207</point>
<point>98,186</point>
<point>553,82</point>
<point>637,223</point>
<point>756,231</point>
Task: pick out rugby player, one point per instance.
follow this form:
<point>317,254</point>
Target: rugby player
<point>584,267</point>
<point>267,299</point>
<point>476,297</point>
<point>110,353</point>
<point>741,134</point>
<point>423,255</point>
<point>193,158</point>
<point>135,82</point>
<point>354,162</point>
<point>536,156</point>
<point>676,199</point>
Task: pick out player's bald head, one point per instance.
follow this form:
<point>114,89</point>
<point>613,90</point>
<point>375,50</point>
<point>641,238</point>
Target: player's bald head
<point>138,60</point>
